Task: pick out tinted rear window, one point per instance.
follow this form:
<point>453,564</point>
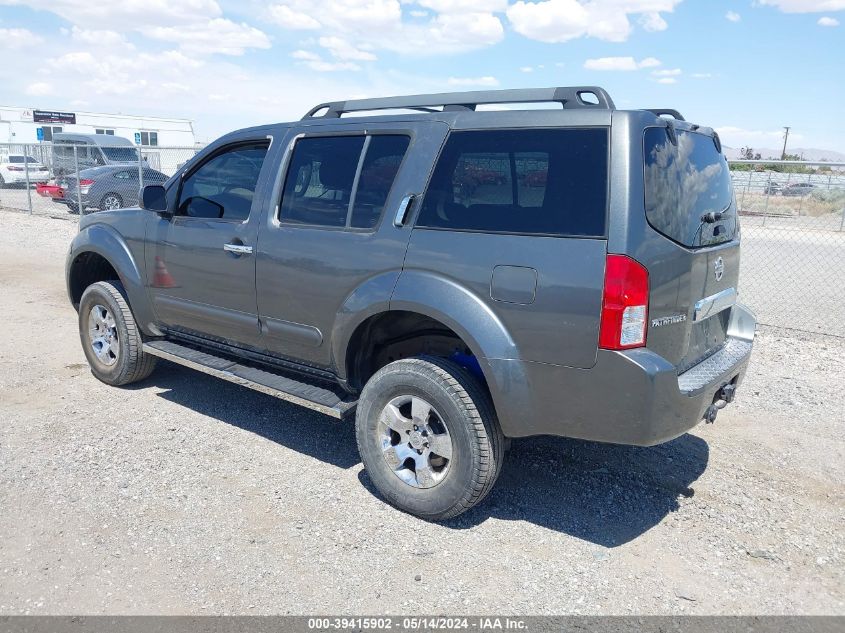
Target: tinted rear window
<point>683,181</point>
<point>120,154</point>
<point>549,182</point>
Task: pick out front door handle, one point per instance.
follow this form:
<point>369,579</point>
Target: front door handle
<point>238,249</point>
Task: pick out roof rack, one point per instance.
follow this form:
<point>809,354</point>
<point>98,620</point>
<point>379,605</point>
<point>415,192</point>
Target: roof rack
<point>571,97</point>
<point>661,111</point>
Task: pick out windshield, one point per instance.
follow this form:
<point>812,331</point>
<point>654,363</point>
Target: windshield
<point>684,181</point>
<point>121,154</point>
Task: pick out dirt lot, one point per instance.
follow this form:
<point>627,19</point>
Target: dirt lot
<point>188,495</point>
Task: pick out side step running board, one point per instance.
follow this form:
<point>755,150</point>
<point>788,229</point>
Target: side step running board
<point>282,387</point>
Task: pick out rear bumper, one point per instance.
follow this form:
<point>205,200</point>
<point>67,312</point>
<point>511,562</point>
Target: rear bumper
<point>19,178</point>
<point>631,397</point>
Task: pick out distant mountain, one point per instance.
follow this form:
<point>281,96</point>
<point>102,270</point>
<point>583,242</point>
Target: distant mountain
<point>807,153</point>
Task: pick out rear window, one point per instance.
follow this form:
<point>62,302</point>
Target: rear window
<point>684,180</point>
<point>120,154</point>
<point>19,159</point>
<point>547,182</point>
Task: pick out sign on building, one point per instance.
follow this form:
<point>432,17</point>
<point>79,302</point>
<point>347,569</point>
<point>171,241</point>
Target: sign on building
<point>49,116</point>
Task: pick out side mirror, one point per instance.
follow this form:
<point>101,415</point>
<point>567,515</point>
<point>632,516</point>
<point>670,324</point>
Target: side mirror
<point>154,198</point>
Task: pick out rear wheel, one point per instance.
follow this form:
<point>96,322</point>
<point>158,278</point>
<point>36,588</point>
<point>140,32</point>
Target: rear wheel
<point>110,337</point>
<point>111,201</point>
<point>2,181</point>
<point>428,437</point>
<point>73,208</point>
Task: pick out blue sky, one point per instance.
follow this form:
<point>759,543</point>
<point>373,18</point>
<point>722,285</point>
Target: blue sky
<point>747,67</point>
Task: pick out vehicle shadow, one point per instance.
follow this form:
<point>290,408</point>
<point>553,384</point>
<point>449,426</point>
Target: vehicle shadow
<point>289,425</point>
<point>602,493</point>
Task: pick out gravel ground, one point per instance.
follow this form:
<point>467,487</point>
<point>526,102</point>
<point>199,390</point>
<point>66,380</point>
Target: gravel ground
<point>188,495</point>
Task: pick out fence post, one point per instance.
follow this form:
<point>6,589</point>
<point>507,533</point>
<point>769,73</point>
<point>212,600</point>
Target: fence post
<point>26,171</point>
<point>78,181</point>
<point>140,171</point>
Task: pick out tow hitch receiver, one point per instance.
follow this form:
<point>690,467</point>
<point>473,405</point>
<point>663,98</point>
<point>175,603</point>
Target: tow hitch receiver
<point>723,397</point>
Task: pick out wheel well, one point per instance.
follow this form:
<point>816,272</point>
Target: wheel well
<point>390,336</point>
<point>86,269</point>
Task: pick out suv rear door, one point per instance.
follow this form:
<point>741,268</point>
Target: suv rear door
<point>692,253</point>
<point>331,235</point>
<point>518,217</point>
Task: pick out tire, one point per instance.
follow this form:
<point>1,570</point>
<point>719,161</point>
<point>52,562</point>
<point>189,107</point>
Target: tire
<point>106,324</point>
<point>407,470</point>
<point>2,181</point>
<point>111,199</point>
<point>73,208</point>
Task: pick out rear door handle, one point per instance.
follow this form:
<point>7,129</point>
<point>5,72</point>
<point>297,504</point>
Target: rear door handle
<point>402,211</point>
<point>238,249</point>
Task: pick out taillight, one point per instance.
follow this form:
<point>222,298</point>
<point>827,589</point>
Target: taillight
<point>624,311</point>
<point>86,182</point>
<point>13,168</point>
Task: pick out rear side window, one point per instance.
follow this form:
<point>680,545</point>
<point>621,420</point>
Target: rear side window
<point>119,154</point>
<point>341,181</point>
<point>548,182</point>
<point>687,177</point>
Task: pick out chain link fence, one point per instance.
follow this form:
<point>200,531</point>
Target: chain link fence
<point>793,224</point>
<point>793,242</point>
<point>42,178</point>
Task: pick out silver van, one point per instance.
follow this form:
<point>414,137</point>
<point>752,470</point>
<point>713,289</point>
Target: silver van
<point>92,150</point>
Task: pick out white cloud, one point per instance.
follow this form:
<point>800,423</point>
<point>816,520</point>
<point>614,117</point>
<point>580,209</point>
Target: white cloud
<point>118,15</point>
<point>733,16</point>
<point>653,22</point>
<point>620,63</point>
<point>218,35</point>
<point>375,25</point>
<point>805,6</point>
<point>99,37</point>
<point>305,55</point>
<point>290,19</point>
<point>464,6</point>
<point>527,69</point>
<point>701,75</point>
<point>341,49</point>
<point>19,38</point>
<point>556,21</point>
<point>39,89</point>
<point>828,21</point>
<point>667,80</point>
<point>666,72</point>
<point>486,81</point>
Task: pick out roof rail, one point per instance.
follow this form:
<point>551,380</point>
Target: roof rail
<point>571,97</point>
<point>661,111</point>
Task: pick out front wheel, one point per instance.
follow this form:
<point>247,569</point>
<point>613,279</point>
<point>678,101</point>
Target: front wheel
<point>110,337</point>
<point>428,437</point>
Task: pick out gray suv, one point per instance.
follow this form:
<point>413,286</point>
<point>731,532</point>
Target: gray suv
<point>451,276</point>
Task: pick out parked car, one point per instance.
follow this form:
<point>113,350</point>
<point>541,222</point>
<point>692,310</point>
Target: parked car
<point>798,189</point>
<point>105,188</point>
<point>14,168</point>
<point>49,190</point>
<point>603,306</point>
<point>92,150</point>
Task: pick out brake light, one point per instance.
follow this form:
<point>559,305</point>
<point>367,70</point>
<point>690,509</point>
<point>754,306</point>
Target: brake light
<point>624,311</point>
<point>12,168</point>
<point>86,182</point>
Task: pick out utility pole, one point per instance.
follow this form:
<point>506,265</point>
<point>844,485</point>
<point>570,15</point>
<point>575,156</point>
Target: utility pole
<point>785,137</point>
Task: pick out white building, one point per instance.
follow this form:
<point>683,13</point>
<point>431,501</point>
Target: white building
<point>33,125</point>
